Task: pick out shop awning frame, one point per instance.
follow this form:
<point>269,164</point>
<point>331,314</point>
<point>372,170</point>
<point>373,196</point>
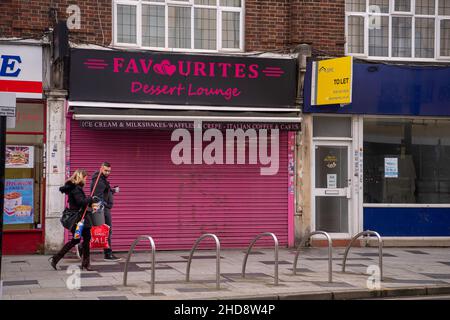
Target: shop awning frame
<point>184,118</point>
<point>148,112</point>
<point>173,107</point>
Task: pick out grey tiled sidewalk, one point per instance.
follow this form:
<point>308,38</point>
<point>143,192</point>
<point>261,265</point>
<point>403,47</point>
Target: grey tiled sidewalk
<point>407,271</point>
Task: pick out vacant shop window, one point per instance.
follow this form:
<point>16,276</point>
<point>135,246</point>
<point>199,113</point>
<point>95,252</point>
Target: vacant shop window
<point>398,29</point>
<point>406,161</point>
<point>209,25</point>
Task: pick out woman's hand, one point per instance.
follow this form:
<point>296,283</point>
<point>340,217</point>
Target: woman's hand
<point>89,200</point>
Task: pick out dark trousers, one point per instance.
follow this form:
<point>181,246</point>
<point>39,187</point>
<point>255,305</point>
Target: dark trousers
<point>108,221</point>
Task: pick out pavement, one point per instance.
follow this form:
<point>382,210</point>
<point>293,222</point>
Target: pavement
<point>406,272</point>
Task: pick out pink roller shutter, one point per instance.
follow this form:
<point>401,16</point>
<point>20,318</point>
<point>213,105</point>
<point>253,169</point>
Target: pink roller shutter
<point>176,204</point>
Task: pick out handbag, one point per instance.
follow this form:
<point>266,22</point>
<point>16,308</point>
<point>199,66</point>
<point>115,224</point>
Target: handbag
<point>69,218</point>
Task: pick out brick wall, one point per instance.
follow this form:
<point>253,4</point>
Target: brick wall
<point>269,24</point>
<point>30,18</point>
<point>320,23</point>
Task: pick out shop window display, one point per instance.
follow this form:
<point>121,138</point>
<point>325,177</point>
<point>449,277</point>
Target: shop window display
<point>24,182</point>
<point>407,161</point>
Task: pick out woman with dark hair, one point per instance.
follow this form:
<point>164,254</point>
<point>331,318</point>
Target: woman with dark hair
<point>78,202</point>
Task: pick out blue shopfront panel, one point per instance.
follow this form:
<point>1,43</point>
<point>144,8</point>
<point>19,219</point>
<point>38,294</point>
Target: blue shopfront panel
<point>408,222</point>
<point>391,90</point>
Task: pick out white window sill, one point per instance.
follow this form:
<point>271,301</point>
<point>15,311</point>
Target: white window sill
<point>179,50</point>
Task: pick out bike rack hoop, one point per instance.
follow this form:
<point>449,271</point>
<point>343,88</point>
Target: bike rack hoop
<point>275,239</point>
<point>191,254</point>
<point>330,255</point>
<point>380,249</point>
<point>152,243</point>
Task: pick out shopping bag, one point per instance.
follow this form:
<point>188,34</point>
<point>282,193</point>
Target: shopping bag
<point>99,237</point>
<point>98,214</point>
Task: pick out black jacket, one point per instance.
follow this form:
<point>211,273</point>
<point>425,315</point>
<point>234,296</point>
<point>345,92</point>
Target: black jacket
<point>103,190</point>
<point>78,201</point>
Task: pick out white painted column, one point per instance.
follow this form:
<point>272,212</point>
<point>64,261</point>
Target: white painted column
<point>304,170</point>
<point>55,169</point>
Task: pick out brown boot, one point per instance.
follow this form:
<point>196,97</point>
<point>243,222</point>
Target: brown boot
<point>86,261</point>
<point>87,268</point>
<point>55,259</point>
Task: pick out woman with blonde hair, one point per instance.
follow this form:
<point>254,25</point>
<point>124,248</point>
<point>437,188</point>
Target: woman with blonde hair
<point>78,201</point>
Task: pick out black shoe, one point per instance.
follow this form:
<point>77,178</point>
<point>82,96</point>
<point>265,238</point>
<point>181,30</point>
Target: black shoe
<point>111,257</point>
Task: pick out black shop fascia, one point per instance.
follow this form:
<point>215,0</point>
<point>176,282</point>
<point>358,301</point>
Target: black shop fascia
<point>155,90</point>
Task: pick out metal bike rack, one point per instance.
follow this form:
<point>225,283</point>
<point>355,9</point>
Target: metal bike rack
<point>152,243</point>
<point>188,268</point>
<point>380,249</point>
<point>276,254</point>
<point>330,256</point>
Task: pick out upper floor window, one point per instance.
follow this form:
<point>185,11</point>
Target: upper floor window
<point>398,29</point>
<point>204,25</point>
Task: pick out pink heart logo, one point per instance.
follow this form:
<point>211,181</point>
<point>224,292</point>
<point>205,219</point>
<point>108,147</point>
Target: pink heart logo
<point>165,68</point>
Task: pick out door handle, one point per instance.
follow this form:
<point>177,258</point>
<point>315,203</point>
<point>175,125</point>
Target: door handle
<point>331,191</point>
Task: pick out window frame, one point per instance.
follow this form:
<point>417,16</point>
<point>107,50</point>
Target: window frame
<point>392,13</point>
<point>174,3</point>
<point>438,36</point>
<point>410,12</point>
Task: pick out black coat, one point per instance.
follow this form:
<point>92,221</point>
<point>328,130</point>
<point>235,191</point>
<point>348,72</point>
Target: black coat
<point>78,201</point>
<point>103,190</point>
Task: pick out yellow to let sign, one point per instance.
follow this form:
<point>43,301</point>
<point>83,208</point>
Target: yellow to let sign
<point>332,81</point>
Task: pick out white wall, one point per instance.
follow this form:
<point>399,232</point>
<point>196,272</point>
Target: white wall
<point>55,169</point>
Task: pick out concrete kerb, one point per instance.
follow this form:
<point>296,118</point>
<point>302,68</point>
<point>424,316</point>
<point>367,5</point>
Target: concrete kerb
<point>391,293</point>
<point>350,295</point>
<point>435,290</point>
<point>252,297</point>
<point>356,294</point>
<point>307,296</point>
<point>404,292</point>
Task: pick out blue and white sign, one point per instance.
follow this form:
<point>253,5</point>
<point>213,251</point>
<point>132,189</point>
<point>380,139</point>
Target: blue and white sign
<point>390,167</point>
<point>18,207</point>
<point>391,90</point>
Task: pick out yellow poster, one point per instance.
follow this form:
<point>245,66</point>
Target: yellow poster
<point>332,81</point>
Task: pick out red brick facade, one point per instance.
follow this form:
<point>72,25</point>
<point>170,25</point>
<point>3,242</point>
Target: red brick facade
<point>320,23</point>
<point>30,18</point>
<point>269,24</point>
